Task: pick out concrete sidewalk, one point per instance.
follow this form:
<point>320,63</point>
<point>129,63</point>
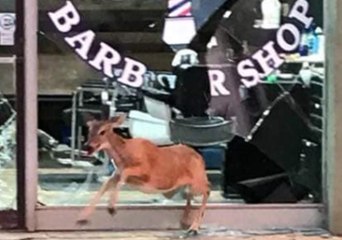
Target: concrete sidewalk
<point>169,235</point>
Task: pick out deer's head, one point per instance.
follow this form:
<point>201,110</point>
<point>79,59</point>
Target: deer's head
<point>98,132</point>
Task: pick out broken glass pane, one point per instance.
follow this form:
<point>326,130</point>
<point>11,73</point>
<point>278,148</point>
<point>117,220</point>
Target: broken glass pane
<point>7,155</point>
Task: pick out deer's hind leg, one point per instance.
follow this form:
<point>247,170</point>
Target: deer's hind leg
<point>186,218</point>
<point>196,189</point>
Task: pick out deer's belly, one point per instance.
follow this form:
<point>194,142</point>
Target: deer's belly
<point>149,189</point>
<point>154,185</point>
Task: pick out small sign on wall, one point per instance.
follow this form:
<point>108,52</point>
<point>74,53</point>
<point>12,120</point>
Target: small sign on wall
<point>7,29</point>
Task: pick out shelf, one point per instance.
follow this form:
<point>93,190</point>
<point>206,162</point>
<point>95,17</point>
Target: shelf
<point>309,59</point>
<point>7,60</point>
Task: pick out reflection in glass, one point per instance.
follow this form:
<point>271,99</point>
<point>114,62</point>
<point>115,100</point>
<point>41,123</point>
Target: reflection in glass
<point>260,144</point>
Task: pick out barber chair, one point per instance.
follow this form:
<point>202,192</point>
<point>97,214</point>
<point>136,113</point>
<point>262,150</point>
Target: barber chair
<point>185,109</point>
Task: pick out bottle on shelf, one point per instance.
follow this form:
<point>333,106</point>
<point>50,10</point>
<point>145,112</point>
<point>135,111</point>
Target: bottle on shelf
<point>303,45</point>
<point>312,39</point>
<point>271,14</point>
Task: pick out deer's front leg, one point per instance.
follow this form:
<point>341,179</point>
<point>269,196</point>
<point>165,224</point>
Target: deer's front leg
<point>87,211</point>
<point>119,179</point>
<point>114,194</point>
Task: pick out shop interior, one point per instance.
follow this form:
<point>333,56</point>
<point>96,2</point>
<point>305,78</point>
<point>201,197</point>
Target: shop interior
<point>261,144</point>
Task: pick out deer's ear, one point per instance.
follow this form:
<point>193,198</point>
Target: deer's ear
<point>90,123</point>
<point>118,120</point>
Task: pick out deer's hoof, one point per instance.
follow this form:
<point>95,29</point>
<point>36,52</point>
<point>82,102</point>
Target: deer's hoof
<point>82,222</point>
<point>111,211</point>
<point>190,233</point>
<point>185,225</point>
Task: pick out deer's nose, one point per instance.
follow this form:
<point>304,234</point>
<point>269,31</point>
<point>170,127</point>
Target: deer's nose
<point>89,149</point>
<point>85,145</point>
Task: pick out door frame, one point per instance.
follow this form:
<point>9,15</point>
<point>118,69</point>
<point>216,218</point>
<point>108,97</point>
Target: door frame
<point>26,43</point>
<point>35,218</point>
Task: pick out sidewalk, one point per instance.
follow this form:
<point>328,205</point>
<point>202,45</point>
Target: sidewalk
<point>315,234</point>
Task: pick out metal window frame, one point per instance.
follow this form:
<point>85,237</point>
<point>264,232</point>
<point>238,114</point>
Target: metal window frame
<point>26,106</point>
<point>232,216</point>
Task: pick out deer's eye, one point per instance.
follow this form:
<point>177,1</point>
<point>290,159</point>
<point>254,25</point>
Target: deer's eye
<point>102,132</point>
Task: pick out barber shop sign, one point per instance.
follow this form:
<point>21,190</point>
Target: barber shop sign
<point>268,58</point>
<point>106,59</point>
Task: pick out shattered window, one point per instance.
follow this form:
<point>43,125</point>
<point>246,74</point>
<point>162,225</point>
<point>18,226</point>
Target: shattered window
<point>7,135</point>
<point>240,82</point>
<point>8,184</point>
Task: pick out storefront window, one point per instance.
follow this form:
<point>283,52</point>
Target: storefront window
<point>7,108</point>
<point>241,82</point>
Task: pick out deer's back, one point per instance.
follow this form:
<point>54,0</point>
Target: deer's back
<point>170,163</point>
<point>180,154</point>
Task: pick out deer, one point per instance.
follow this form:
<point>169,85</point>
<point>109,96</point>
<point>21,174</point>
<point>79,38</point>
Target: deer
<point>148,168</point>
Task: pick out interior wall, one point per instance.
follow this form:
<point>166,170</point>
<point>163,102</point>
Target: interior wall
<point>62,74</point>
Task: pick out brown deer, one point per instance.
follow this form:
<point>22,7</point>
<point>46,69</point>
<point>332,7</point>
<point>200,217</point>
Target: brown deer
<point>149,168</point>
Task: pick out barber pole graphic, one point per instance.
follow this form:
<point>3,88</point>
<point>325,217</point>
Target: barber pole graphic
<point>179,28</point>
<point>179,8</point>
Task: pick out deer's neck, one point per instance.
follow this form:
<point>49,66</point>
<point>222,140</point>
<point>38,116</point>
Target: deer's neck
<point>117,150</point>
